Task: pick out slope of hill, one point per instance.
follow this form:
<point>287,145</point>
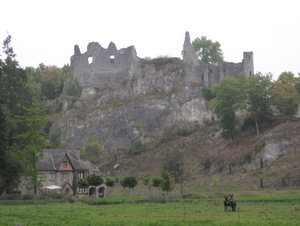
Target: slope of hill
<point>269,160</point>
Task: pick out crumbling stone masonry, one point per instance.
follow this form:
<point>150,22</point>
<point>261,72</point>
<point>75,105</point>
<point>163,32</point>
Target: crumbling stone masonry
<point>210,74</point>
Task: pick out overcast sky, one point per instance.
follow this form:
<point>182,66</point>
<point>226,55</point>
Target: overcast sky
<point>45,31</point>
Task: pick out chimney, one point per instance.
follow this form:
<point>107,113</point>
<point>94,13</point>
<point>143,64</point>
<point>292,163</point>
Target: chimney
<point>77,152</point>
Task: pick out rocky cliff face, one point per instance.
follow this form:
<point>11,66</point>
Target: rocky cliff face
<point>117,98</point>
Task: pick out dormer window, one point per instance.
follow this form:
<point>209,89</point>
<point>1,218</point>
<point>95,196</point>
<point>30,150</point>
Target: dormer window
<point>65,164</point>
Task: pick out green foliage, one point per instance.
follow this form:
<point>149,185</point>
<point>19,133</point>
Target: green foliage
<point>47,81</point>
<point>137,147</point>
<point>97,89</point>
<point>258,101</point>
<point>52,81</point>
<point>55,139</point>
<point>230,94</point>
<point>109,182</point>
<point>167,135</point>
<point>259,146</point>
<point>248,158</point>
<point>207,50</point>
<point>128,181</point>
<point>167,183</point>
<point>33,142</point>
<point>146,180</point>
<point>83,183</point>
<point>157,182</point>
<point>286,98</point>
<point>94,179</point>
<point>172,162</point>
<point>92,148</point>
<point>133,80</point>
<point>187,131</point>
<point>207,93</point>
<point>142,125</point>
<point>206,163</point>
<point>73,90</point>
<point>286,77</point>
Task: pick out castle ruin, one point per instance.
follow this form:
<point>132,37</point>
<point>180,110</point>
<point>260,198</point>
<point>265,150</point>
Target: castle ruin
<point>123,97</point>
<point>211,74</point>
<point>106,66</point>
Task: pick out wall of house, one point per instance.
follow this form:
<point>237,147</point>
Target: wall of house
<point>67,168</point>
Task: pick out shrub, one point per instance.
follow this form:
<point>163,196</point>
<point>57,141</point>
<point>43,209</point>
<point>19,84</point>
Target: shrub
<point>207,94</point>
<point>259,146</point>
<point>207,163</point>
<point>73,90</point>
<point>55,139</point>
<point>142,125</point>
<point>109,182</point>
<point>28,197</point>
<point>137,147</point>
<point>187,131</point>
<point>128,181</point>
<point>247,158</point>
<point>92,148</point>
<point>10,197</point>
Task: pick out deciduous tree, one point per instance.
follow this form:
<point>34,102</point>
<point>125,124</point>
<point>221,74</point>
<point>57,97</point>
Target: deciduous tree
<point>286,98</point>
<point>207,50</point>
<point>33,140</point>
<point>230,93</point>
<point>258,97</point>
<point>94,179</point>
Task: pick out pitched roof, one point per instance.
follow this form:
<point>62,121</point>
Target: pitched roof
<point>52,159</point>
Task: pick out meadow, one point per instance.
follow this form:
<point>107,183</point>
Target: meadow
<point>254,208</point>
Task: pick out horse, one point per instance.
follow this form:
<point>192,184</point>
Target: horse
<point>226,203</point>
<point>232,202</point>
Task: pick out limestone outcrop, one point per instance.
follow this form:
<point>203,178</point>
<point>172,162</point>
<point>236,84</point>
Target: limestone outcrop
<point>116,97</point>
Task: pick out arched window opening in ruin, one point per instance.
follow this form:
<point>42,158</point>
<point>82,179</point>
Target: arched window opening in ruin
<point>250,72</point>
<point>112,58</point>
<point>90,59</point>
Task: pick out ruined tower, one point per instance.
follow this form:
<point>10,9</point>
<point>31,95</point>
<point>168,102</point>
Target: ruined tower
<point>248,65</point>
<point>210,74</point>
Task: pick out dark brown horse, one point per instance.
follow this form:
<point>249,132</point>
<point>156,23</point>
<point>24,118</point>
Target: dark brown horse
<point>232,202</point>
<point>226,203</point>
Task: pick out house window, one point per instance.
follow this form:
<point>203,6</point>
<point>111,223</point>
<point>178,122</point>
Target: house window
<point>65,164</point>
<point>81,190</point>
<point>42,175</point>
<point>80,175</point>
<point>64,175</point>
<point>52,176</point>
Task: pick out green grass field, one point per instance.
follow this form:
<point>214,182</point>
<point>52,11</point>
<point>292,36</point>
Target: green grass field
<point>254,208</point>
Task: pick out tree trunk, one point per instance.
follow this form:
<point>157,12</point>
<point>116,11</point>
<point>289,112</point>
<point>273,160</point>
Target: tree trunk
<point>257,130</point>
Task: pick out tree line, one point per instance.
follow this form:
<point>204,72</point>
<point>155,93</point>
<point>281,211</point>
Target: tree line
<point>258,96</point>
<point>25,95</point>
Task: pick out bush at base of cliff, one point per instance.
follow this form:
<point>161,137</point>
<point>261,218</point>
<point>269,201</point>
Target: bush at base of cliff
<point>92,148</point>
<point>137,147</point>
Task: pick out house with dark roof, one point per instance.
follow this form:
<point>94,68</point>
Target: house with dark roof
<point>62,168</point>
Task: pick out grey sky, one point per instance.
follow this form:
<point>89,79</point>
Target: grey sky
<point>46,31</point>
